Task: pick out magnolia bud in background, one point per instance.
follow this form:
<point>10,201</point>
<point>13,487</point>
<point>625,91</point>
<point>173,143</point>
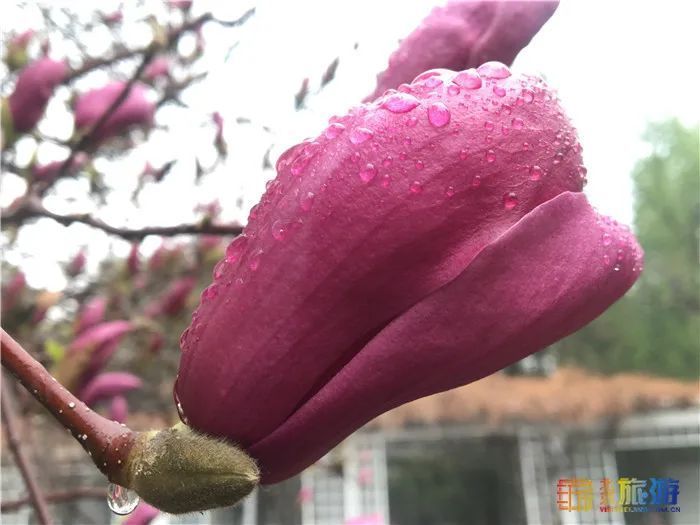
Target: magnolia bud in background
<point>118,409</point>
<point>16,55</point>
<point>135,110</point>
<point>112,18</point>
<point>173,301</point>
<point>133,262</point>
<point>107,385</point>
<point>12,291</point>
<point>34,88</point>
<point>92,313</point>
<point>464,34</point>
<point>159,67</point>
<point>76,264</point>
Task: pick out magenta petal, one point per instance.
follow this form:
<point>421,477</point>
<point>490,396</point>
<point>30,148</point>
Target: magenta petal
<point>546,277</point>
<point>35,86</point>
<point>359,226</point>
<point>463,34</point>
<point>92,313</point>
<point>118,409</point>
<point>107,385</point>
<point>135,110</point>
<point>100,334</point>
<point>143,515</point>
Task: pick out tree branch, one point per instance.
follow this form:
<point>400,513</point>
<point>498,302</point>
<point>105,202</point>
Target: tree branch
<point>61,496</point>
<point>33,209</point>
<point>36,496</point>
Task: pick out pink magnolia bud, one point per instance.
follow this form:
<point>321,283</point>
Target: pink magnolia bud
<point>143,515</point>
<point>419,243</point>
<point>22,39</point>
<point>156,343</point>
<point>133,263</point>
<point>119,409</point>
<point>173,301</point>
<point>135,110</point>
<point>107,385</point>
<point>112,18</point>
<point>76,264</point>
<point>48,172</point>
<point>100,341</point>
<point>464,34</point>
<point>34,88</point>
<point>159,67</point>
<point>12,291</point>
<point>92,313</point>
<point>180,4</point>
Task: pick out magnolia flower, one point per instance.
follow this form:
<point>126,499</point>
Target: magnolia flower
<point>464,34</point>
<point>135,110</point>
<point>419,243</point>
<point>77,264</point>
<point>118,409</point>
<point>108,385</point>
<point>34,88</point>
<point>90,314</point>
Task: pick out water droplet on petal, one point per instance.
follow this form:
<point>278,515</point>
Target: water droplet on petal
<point>433,82</point>
<point>499,91</point>
<point>220,268</point>
<point>360,135</point>
<point>254,262</point>
<point>488,125</point>
<point>400,103</point>
<point>419,165</point>
<point>411,122</point>
<point>469,79</point>
<point>334,130</point>
<point>607,239</point>
<point>463,154</point>
<point>517,123</point>
<point>210,292</point>
<point>450,191</point>
<point>234,250</point>
<point>490,156</point>
<point>510,201</point>
<point>388,161</point>
<point>453,90</point>
<point>416,187</point>
<point>493,70</point>
<point>476,181</point>
<point>280,229</point>
<point>536,173</point>
<point>438,114</point>
<point>528,96</point>
<point>307,201</point>
<point>121,500</point>
<point>368,173</point>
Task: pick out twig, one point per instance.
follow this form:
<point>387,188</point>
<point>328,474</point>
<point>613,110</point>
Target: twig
<point>36,496</point>
<point>56,497</point>
<point>33,209</point>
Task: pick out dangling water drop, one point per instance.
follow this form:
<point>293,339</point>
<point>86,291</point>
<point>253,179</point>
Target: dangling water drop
<point>438,114</point>
<point>510,201</point>
<point>121,500</point>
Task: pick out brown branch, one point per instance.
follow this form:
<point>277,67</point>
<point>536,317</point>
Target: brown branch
<point>107,442</point>
<point>32,209</point>
<point>61,496</point>
<point>36,496</point>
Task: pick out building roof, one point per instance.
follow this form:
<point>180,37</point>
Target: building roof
<point>569,395</point>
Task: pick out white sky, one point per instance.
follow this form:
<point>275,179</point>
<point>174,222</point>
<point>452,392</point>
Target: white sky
<point>617,65</point>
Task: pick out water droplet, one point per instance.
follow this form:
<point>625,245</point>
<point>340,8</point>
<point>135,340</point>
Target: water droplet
<point>517,123</point>
<point>450,191</point>
<point>416,187</point>
<point>510,201</point>
<point>558,158</point>
<point>617,268</point>
<point>536,173</point>
<point>71,405</point>
<point>280,229</point>
<point>407,141</point>
<point>388,161</point>
<point>490,156</point>
<point>432,82</point>
<point>488,125</point>
<point>528,96</point>
<point>386,180</point>
<point>254,262</point>
<point>220,269</point>
<point>438,114</point>
<point>419,165</point>
<point>411,122</point>
<point>463,154</point>
<point>400,103</point>
<point>526,146</point>
<point>493,69</point>
<point>307,201</point>
<point>476,181</point>
<point>368,173</point>
<point>334,130</point>
<point>84,437</point>
<point>121,500</point>
<point>606,259</point>
<point>607,239</point>
<point>469,79</point>
<point>360,135</point>
<point>499,91</point>
<point>210,292</point>
<point>234,250</point>
<point>453,90</point>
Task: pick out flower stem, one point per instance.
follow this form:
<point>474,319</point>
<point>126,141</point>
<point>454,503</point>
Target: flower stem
<point>107,442</point>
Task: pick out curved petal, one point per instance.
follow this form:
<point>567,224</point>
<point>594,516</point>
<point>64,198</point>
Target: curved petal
<point>108,384</point>
<point>556,270</point>
<point>34,89</point>
<point>389,204</point>
<point>463,34</point>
